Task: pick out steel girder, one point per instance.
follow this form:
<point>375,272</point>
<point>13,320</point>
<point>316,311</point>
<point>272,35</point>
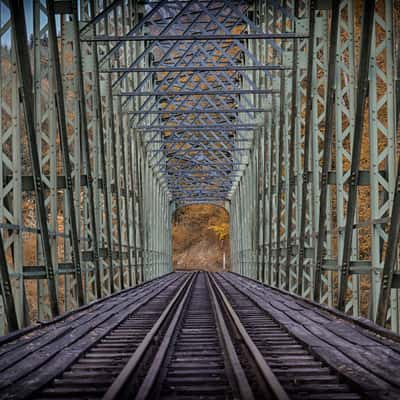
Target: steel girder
<point>82,215</point>
<point>214,73</point>
<point>323,222</point>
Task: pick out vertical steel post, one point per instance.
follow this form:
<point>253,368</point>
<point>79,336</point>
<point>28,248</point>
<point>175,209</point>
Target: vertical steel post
<point>391,255</point>
<point>62,129</point>
<point>104,175</point>
<point>6,290</point>
<point>307,148</point>
<point>326,158</point>
<point>291,159</point>
<point>84,135</point>
<point>25,75</point>
<point>362,93</point>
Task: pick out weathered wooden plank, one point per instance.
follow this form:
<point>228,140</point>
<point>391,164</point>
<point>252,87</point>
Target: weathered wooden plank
<point>365,324</point>
<point>55,331</point>
<point>305,336</point>
<point>349,349</point>
<point>30,339</point>
<point>293,305</point>
<point>73,318</point>
<point>386,342</point>
<point>19,354</point>
<point>350,333</point>
<point>329,337</point>
<point>89,333</point>
<point>39,358</point>
<point>21,341</point>
<point>55,366</point>
<point>342,336</point>
<point>368,382</point>
<point>319,318</point>
<point>377,362</point>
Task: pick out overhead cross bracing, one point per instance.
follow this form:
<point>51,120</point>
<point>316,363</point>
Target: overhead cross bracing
<point>202,96</point>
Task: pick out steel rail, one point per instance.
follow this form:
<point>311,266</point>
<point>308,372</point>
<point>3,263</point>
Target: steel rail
<point>254,291</point>
<point>264,369</point>
<point>121,383</point>
<point>240,381</point>
<point>102,324</point>
<point>151,376</point>
<point>40,324</point>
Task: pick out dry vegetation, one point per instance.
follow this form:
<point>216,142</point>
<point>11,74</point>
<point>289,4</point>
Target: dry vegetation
<point>200,237</point>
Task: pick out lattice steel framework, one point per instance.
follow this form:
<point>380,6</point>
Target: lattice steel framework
<point>83,215</point>
<point>327,187</point>
<point>115,113</point>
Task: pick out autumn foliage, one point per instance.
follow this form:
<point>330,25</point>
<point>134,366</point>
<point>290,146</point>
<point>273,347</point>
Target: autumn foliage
<point>200,237</point>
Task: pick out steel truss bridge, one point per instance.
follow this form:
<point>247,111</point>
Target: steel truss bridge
<point>113,114</point>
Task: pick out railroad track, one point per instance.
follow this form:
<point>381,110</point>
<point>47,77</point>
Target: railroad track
<point>203,336</point>
<point>81,360</point>
<point>197,359</point>
<point>313,351</point>
<point>220,344</point>
<point>301,374</point>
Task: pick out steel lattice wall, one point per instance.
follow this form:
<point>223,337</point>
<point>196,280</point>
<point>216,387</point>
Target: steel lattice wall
<point>327,150</point>
<point>285,112</point>
<point>100,210</point>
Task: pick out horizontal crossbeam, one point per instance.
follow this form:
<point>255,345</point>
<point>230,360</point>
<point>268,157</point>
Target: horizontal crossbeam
<point>171,171</point>
<point>172,151</point>
<point>199,111</point>
<point>196,127</point>
<point>163,38</point>
<point>197,68</point>
<point>196,92</point>
<point>204,199</point>
<point>190,141</point>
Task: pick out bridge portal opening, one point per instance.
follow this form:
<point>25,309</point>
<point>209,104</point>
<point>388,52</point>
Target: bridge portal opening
<point>200,238</point>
